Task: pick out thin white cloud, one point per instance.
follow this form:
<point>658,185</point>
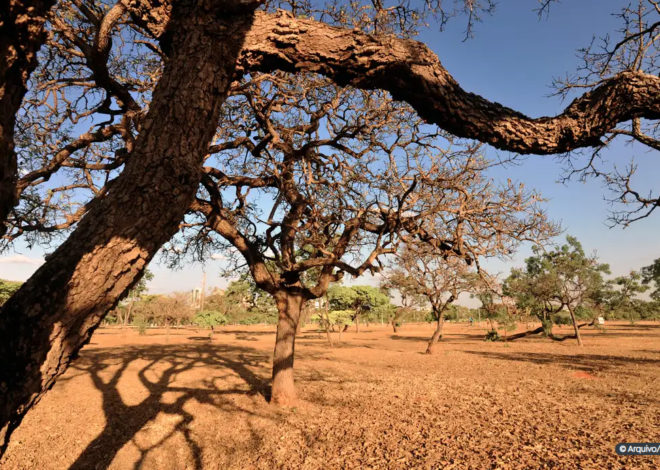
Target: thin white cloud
<point>218,256</point>
<point>21,259</point>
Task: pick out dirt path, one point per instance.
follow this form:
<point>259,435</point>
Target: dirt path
<point>373,402</point>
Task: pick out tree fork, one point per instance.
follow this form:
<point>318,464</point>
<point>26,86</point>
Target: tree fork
<point>53,315</point>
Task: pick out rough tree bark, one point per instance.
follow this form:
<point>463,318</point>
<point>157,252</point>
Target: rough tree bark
<point>436,334</point>
<point>21,36</point>
<point>290,303</point>
<point>55,312</point>
<point>575,326</point>
<point>411,72</point>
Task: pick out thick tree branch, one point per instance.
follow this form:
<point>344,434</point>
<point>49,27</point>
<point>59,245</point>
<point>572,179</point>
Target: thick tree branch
<point>411,72</point>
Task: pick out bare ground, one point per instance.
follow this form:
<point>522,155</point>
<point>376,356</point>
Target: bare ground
<point>178,401</point>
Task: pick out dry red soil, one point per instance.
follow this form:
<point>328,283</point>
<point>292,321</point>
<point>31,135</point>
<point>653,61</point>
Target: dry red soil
<point>375,401</point>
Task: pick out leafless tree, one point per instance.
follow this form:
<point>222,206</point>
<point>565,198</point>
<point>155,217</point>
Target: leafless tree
<point>420,271</point>
<point>634,50</point>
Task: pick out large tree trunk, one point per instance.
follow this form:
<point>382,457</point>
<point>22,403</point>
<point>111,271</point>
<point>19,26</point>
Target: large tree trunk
<point>437,333</point>
<point>289,305</point>
<point>53,315</point>
<point>21,36</point>
<point>575,327</point>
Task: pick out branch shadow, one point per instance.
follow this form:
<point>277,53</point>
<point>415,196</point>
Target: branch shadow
<point>124,421</point>
<point>581,362</point>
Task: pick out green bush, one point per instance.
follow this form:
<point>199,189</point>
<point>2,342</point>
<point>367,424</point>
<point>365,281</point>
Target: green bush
<point>209,318</point>
<point>492,335</point>
<point>562,319</point>
<point>141,322</point>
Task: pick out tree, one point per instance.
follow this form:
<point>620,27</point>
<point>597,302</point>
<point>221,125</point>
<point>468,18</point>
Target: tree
<point>137,292</point>
<point>418,271</point>
<point>651,274</point>
<point>563,278</point>
<point>42,328</point>
<point>409,298</point>
<point>492,308</point>
<point>629,287</point>
<point>357,299</point>
<point>336,201</point>
<point>209,319</point>
<point>121,236</point>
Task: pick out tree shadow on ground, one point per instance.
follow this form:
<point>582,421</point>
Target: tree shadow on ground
<point>453,338</point>
<point>576,362</point>
<point>106,367</point>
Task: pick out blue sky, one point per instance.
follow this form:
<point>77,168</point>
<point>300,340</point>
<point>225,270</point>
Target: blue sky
<point>511,60</point>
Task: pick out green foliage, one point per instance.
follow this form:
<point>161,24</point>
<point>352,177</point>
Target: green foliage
<point>7,289</point>
<point>142,322</point>
<point>651,274</point>
<point>562,318</point>
<point>245,304</point>
<point>629,287</point>
<point>492,335</point>
<point>356,298</point>
<point>209,319</point>
<point>553,280</point>
<point>140,288</point>
<point>338,318</point>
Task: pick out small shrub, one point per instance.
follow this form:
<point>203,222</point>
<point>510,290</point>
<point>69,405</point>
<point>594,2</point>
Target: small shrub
<point>562,319</point>
<point>141,322</point>
<point>492,335</point>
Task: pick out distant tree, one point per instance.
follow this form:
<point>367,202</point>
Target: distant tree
<point>651,274</point>
<point>419,273</point>
<point>563,278</point>
<point>492,308</point>
<point>164,310</point>
<point>358,299</point>
<point>209,319</point>
<point>7,289</point>
<point>410,298</point>
<point>136,293</point>
<point>629,287</point>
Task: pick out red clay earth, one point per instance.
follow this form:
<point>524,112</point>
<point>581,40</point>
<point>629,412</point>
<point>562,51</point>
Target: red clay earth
<point>374,402</point>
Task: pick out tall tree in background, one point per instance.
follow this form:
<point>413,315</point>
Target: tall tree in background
<point>630,287</point>
<point>565,278</point>
<point>307,181</point>
<point>651,274</point>
<point>417,270</point>
<point>137,292</point>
